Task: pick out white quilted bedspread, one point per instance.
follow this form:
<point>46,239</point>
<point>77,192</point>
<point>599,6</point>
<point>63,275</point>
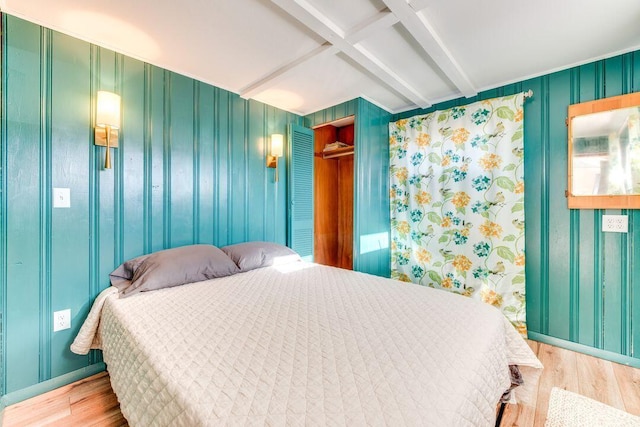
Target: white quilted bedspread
<point>303,344</point>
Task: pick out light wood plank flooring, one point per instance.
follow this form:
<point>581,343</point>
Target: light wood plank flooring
<point>607,382</point>
<point>92,402</point>
<point>88,402</point>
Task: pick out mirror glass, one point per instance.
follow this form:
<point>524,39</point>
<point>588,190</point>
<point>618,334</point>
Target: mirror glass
<point>606,153</point>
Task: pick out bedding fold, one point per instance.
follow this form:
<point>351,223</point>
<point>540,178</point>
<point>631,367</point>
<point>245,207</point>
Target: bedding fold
<point>88,337</point>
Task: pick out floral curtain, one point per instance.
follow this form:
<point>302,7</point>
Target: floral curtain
<point>457,202</point>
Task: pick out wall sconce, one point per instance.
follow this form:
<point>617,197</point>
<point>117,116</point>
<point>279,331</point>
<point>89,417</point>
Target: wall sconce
<point>107,123</point>
<point>275,152</point>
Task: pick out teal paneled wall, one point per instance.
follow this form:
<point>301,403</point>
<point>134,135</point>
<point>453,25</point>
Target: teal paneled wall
<point>371,253</point>
<point>190,169</point>
<point>371,224</point>
<point>583,285</point>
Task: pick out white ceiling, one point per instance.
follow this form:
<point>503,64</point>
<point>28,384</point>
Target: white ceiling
<point>306,55</point>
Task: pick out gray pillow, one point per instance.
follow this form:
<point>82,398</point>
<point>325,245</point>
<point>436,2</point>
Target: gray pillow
<point>172,267</point>
<point>252,255</point>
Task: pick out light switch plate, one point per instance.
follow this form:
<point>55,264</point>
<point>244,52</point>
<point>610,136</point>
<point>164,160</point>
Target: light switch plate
<point>61,198</point>
<point>615,223</point>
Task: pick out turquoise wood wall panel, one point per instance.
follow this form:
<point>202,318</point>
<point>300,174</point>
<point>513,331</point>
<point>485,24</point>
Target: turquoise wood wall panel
<point>155,158</point>
<point>23,158</point>
<point>130,156</point>
<point>204,164</point>
<point>583,285</point>
<point>371,181</point>
<point>371,205</point>
<point>190,168</point>
<point>180,140</point>
<point>559,89</point>
<point>69,228</point>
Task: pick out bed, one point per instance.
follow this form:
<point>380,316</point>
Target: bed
<point>304,344</point>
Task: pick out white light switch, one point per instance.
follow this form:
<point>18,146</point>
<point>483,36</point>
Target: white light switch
<point>61,198</point>
<point>615,223</point>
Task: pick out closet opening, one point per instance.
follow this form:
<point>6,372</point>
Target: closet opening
<point>333,187</point>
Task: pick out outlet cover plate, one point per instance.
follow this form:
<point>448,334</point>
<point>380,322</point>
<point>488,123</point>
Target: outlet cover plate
<point>61,320</point>
<point>615,223</point>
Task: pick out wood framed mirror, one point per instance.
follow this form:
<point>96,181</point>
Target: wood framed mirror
<point>604,153</point>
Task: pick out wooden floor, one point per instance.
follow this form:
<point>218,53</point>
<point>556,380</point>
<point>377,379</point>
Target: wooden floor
<point>610,383</point>
<point>92,402</point>
<point>88,402</point>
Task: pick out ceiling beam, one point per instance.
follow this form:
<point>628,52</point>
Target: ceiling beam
<point>379,22</point>
<point>418,5</point>
<point>421,30</point>
<point>322,25</point>
<point>273,78</point>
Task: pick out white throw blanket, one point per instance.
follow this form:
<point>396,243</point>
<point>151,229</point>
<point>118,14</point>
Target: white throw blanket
<point>305,344</point>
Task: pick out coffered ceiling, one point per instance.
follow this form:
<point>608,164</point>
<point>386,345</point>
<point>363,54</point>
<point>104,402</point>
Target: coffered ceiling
<point>306,55</point>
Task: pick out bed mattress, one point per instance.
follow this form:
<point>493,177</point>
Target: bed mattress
<point>304,344</point>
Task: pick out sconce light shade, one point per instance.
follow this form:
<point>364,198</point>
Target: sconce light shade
<point>107,123</point>
<point>277,144</point>
<point>276,150</point>
<point>108,110</point>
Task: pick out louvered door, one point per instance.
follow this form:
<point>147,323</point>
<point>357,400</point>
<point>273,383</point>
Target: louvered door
<point>300,191</point>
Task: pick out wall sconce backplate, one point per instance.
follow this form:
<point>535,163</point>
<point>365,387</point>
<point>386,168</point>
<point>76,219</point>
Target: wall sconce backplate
<point>101,138</point>
<point>272,161</point>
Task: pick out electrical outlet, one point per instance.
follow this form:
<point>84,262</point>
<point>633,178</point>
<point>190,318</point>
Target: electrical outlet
<point>615,223</point>
<point>61,320</point>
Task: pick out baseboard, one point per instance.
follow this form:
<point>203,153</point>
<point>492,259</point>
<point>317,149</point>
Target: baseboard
<point>581,348</point>
<point>48,385</point>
